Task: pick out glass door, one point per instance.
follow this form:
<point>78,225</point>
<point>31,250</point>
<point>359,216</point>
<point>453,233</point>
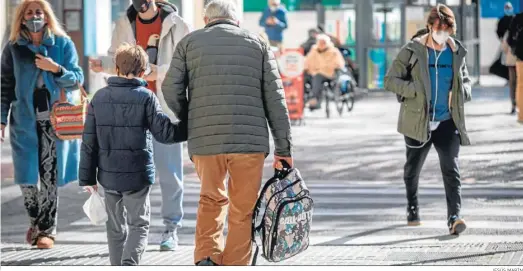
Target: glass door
<point>385,42</point>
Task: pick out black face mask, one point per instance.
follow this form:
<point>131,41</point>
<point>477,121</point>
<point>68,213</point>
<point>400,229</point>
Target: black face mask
<point>35,24</point>
<point>141,6</point>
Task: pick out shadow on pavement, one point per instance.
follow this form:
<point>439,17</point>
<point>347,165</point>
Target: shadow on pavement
<point>344,239</point>
<point>445,237</point>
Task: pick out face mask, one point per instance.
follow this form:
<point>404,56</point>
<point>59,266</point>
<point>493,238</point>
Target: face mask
<point>139,5</point>
<point>273,8</point>
<point>509,12</point>
<point>35,24</point>
<point>440,36</point>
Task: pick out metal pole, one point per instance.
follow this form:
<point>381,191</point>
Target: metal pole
<point>360,53</point>
<point>462,25</point>
<point>320,11</point>
<point>364,19</point>
<point>403,22</point>
<point>477,17</point>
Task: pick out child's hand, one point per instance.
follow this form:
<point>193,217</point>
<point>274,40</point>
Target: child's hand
<point>153,76</point>
<point>91,189</point>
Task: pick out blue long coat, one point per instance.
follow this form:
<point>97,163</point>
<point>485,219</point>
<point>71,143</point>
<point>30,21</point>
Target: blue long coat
<point>19,77</point>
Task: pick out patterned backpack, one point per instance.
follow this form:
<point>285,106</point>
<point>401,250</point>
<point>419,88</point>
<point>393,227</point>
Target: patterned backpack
<point>286,220</point>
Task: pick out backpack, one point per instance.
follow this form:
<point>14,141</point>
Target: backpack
<point>286,216</point>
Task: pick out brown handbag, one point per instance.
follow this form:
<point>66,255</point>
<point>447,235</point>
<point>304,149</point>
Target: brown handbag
<point>68,119</point>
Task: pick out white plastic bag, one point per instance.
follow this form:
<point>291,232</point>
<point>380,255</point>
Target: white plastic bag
<point>94,208</point>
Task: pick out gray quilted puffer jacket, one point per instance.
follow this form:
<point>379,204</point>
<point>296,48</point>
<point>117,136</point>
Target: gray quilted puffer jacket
<point>225,81</point>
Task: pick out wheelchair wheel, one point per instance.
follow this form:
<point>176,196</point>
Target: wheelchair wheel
<point>350,103</point>
<point>339,106</point>
<point>327,109</point>
<point>327,98</point>
<point>338,100</point>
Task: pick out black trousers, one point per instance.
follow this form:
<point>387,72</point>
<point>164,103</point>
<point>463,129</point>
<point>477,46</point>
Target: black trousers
<point>317,86</point>
<point>446,140</point>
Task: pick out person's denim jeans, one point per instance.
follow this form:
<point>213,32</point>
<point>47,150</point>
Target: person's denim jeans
<point>169,169</point>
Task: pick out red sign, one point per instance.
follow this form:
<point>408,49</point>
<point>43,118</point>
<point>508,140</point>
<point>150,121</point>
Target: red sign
<point>291,62</point>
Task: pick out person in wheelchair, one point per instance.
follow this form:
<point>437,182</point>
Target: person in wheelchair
<point>322,63</point>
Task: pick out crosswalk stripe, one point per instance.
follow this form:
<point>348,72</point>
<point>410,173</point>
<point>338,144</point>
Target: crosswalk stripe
<point>349,209</point>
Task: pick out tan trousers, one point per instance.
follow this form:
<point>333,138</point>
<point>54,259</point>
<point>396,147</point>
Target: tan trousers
<point>245,173</point>
<point>519,90</point>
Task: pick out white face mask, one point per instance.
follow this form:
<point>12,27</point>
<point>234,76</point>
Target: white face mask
<point>440,36</point>
<point>273,8</point>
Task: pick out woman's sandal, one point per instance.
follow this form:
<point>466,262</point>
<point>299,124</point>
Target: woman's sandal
<point>45,242</point>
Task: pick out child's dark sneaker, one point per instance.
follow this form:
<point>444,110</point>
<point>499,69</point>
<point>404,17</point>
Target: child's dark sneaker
<point>413,216</point>
<point>456,225</point>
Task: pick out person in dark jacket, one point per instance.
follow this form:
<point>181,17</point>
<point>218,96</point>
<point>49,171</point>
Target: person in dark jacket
<point>515,41</point>
<point>274,20</point>
<point>224,81</point>
<point>117,150</point>
<point>505,21</point>
<point>507,57</point>
<point>38,62</point>
<point>311,41</point>
<point>157,27</point>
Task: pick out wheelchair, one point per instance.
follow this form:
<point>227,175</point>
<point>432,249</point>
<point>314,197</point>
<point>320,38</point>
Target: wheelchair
<point>340,91</point>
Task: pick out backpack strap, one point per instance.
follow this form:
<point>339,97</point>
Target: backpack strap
<point>255,256</point>
<point>412,62</point>
<point>255,228</point>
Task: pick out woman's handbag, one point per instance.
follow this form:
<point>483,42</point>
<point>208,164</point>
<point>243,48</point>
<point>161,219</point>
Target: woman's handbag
<point>497,68</point>
<point>68,119</point>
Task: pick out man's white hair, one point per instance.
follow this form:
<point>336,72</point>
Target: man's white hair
<point>324,38</point>
<point>221,9</point>
<point>277,2</point>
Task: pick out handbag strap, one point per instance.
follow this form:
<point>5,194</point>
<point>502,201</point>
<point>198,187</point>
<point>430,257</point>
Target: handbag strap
<point>83,93</point>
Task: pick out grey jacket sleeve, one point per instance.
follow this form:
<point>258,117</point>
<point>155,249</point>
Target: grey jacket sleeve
<point>467,83</point>
<point>274,104</point>
<point>89,150</point>
<point>160,125</point>
<point>174,86</point>
<point>394,80</point>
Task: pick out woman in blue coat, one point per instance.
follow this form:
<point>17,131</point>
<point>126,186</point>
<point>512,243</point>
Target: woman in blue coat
<point>39,60</point>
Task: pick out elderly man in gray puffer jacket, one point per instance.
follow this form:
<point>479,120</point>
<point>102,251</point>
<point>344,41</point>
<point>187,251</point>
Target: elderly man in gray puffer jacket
<point>224,82</point>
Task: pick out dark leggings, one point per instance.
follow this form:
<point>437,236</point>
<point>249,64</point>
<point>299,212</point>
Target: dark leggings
<point>41,204</point>
<point>512,81</point>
